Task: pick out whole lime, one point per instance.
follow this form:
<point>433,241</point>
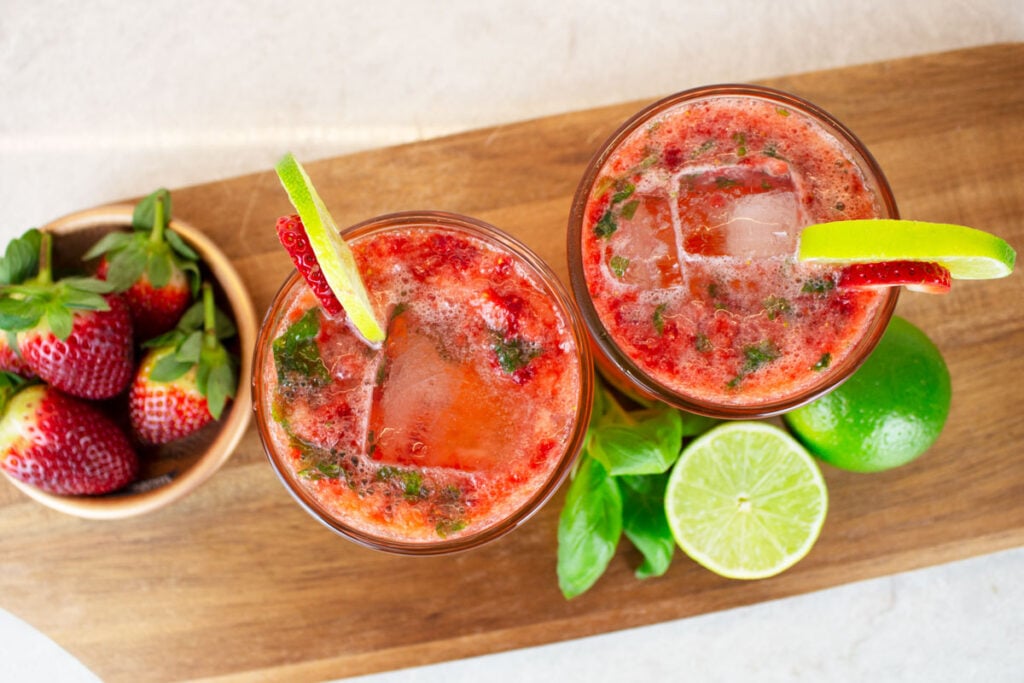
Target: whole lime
<point>890,411</point>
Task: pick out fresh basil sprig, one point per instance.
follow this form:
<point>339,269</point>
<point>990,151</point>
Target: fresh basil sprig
<point>619,488</point>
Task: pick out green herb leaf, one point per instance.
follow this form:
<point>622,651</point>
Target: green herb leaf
<point>649,446</point>
<point>112,241</point>
<point>190,349</point>
<point>169,368</point>
<point>296,350</point>
<point>88,284</point>
<point>606,226</point>
<point>618,264</point>
<point>125,266</point>
<point>18,314</point>
<point>776,306</point>
<point>60,319</point>
<point>694,425</point>
<point>702,343</point>
<point>220,386</point>
<point>823,362</point>
<point>21,258</point>
<point>144,214</point>
<point>515,353</point>
<point>589,528</point>
<point>757,355</point>
<point>159,267</point>
<point>623,193</point>
<point>658,319</point>
<point>819,286</point>
<point>180,246</point>
<point>645,524</point>
<point>629,209</point>
<point>706,146</point>
<point>410,480</point>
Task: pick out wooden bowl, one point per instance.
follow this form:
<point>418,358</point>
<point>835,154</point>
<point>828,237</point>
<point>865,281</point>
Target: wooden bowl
<point>171,471</point>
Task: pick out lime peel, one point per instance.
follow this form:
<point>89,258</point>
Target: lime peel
<point>333,255</point>
<point>746,500</point>
<point>968,253</point>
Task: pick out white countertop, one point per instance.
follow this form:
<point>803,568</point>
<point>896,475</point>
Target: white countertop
<point>100,103</point>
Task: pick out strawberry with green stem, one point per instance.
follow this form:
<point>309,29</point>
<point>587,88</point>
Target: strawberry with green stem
<point>186,377</point>
<point>60,444</point>
<point>157,271</point>
<point>73,333</point>
<point>19,262</point>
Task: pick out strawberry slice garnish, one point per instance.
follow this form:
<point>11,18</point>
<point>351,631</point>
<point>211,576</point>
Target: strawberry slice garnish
<point>918,276</point>
<point>292,234</point>
<point>60,444</point>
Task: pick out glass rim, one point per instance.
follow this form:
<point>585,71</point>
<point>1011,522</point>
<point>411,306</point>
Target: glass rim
<point>606,348</point>
<point>573,445</point>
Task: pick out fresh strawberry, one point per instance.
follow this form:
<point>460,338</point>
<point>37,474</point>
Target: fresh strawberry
<point>59,444</point>
<point>152,265</point>
<point>292,234</point>
<point>94,361</point>
<point>186,377</point>
<point>19,263</point>
<point>918,276</point>
<point>71,333</point>
<point>10,358</point>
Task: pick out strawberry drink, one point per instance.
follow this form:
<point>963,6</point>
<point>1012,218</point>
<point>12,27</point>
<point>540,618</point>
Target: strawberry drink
<point>461,423</point>
<point>683,244</point>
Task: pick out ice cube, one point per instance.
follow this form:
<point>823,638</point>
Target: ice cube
<point>762,225</point>
<point>643,250</point>
<point>434,410</point>
<point>745,210</point>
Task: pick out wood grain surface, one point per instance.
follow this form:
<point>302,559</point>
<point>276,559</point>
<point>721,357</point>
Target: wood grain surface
<point>236,582</point>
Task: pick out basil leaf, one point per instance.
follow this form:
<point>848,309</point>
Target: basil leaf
<point>647,447</point>
<point>644,522</point>
<point>589,528</point>
<point>694,424</point>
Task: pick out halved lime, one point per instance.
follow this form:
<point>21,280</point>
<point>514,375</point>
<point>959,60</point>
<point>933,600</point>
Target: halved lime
<point>968,253</point>
<point>745,500</point>
<point>333,255</point>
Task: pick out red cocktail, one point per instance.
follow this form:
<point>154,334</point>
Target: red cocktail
<point>462,423</point>
<point>682,252</point>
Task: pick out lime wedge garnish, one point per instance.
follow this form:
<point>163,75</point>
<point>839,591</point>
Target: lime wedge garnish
<point>968,253</point>
<point>745,500</point>
<point>333,255</point>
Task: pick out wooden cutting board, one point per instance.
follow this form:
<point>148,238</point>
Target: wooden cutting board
<point>236,582</point>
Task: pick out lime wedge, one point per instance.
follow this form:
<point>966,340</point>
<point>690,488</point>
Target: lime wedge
<point>745,500</point>
<point>968,253</point>
<point>333,255</point>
